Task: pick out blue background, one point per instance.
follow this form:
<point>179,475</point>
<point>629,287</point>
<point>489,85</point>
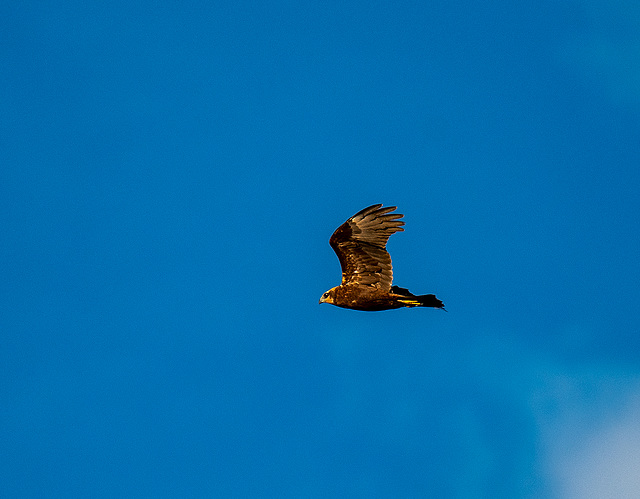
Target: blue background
<point>170,176</point>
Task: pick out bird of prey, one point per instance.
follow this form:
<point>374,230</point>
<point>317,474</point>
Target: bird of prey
<point>366,265</point>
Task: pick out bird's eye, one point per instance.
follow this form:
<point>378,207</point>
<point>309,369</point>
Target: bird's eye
<point>325,295</point>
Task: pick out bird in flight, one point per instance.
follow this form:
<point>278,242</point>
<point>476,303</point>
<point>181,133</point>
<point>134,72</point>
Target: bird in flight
<point>366,265</point>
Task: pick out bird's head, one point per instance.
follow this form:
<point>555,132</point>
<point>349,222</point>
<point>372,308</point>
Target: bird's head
<point>328,296</point>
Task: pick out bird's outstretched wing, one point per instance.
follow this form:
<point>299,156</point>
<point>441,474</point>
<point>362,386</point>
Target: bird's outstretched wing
<point>360,245</point>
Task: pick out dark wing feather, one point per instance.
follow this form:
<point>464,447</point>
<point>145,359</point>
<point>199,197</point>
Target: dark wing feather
<point>360,245</point>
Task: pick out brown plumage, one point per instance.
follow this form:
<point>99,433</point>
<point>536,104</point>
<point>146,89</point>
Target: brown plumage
<point>366,265</point>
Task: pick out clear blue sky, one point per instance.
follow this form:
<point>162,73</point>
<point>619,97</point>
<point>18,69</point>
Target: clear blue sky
<point>170,175</point>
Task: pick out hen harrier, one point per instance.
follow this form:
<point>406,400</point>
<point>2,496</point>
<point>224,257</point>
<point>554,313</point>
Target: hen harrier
<point>366,265</point>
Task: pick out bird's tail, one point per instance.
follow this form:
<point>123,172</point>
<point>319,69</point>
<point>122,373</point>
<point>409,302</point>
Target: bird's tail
<point>410,300</point>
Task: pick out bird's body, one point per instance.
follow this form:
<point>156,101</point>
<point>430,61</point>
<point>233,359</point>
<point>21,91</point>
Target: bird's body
<point>366,265</point>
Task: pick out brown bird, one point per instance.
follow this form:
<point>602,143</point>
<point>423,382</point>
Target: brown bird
<point>366,265</point>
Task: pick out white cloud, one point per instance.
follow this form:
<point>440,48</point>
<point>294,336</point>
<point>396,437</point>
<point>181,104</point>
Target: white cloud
<point>585,416</point>
<point>591,442</point>
<point>606,465</point>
